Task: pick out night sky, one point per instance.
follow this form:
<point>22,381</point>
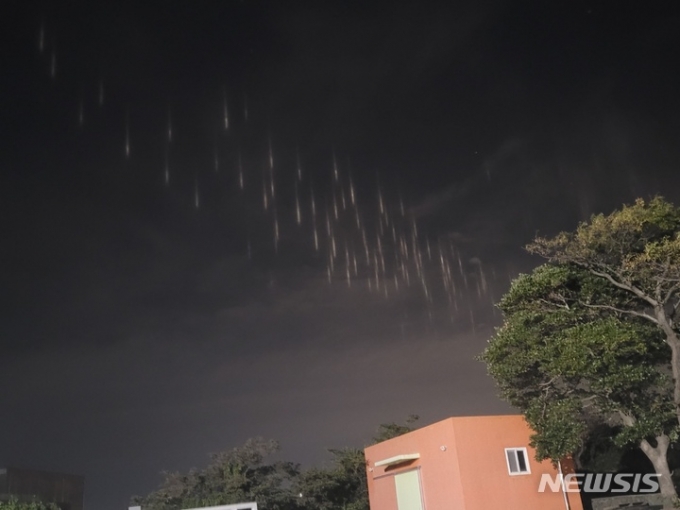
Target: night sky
<point>156,309</point>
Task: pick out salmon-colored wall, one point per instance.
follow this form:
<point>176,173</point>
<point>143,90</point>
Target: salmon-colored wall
<point>439,469</point>
<point>462,466</point>
<point>484,473</point>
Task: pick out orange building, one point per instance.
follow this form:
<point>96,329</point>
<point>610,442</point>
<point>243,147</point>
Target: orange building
<point>465,463</point>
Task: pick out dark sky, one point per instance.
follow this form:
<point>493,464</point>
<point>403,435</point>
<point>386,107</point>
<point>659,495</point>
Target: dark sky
<point>140,332</point>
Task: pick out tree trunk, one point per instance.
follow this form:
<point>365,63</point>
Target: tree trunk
<point>657,455</point>
<point>674,343</point>
<point>675,365</point>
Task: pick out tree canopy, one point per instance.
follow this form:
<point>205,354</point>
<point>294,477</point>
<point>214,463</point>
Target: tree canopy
<point>235,476</point>
<point>246,473</point>
<point>590,337</point>
<point>16,504</point>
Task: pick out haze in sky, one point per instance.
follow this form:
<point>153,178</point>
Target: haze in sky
<point>230,219</point>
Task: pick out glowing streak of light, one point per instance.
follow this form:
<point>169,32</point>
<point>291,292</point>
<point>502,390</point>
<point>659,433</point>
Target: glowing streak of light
<point>127,134</point>
<point>349,276</point>
<point>401,206</point>
<point>328,223</point>
<point>363,237</point>
<point>377,269</point>
<point>354,262</point>
<point>333,247</point>
<point>429,252</point>
<point>271,154</point>
<point>241,182</point>
<point>313,203</point>
<point>197,202</point>
<point>53,65</point>
<point>381,204</point>
<point>316,238</point>
<point>41,38</point>
<point>336,174</point>
<point>335,206</point>
<point>329,271</point>
<point>425,289</point>
<point>298,212</point>
<point>265,196</point>
<point>351,191</point>
<point>167,168</point>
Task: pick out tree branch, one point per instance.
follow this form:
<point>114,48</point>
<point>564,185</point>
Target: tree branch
<point>552,303</point>
<point>624,286</point>
<point>666,267</point>
<point>670,292</point>
<point>619,310</point>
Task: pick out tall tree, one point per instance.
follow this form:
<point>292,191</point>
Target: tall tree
<point>235,476</point>
<point>15,504</point>
<point>242,474</point>
<point>343,485</point>
<point>392,429</point>
<point>592,335</point>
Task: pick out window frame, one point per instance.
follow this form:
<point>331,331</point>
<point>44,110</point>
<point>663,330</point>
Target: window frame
<point>526,461</point>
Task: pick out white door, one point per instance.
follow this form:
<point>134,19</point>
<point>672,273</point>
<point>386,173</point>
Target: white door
<point>409,496</point>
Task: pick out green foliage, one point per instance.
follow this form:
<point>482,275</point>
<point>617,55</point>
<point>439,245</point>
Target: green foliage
<point>587,338</point>
<point>234,476</point>
<point>342,486</point>
<point>242,475</point>
<point>600,454</point>
<point>15,504</point>
<point>637,246</point>
<point>389,430</point>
